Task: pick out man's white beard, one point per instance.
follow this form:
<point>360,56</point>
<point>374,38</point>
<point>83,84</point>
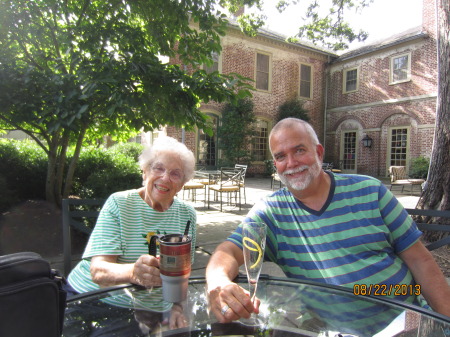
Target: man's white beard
<point>301,183</point>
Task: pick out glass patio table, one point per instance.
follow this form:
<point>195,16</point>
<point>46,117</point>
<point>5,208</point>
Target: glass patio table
<point>288,308</point>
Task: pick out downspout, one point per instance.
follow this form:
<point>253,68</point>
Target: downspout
<point>325,106</point>
<point>438,49</point>
<point>183,131</point>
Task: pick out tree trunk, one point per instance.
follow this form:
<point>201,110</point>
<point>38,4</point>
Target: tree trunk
<point>437,192</point>
<point>73,163</point>
<point>50,183</point>
<point>61,164</point>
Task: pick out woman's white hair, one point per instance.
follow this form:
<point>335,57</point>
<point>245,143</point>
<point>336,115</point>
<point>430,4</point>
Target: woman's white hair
<point>168,145</point>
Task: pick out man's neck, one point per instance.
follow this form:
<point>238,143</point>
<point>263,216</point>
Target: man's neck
<point>316,194</point>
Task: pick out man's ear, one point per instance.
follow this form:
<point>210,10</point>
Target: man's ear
<point>320,151</point>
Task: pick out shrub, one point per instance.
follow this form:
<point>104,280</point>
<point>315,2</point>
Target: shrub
<point>292,108</point>
<point>235,133</point>
<point>101,172</point>
<point>131,150</point>
<point>419,167</point>
<point>8,197</point>
<point>270,168</point>
<point>23,168</point>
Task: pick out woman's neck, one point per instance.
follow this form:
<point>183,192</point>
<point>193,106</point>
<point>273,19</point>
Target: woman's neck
<point>157,206</point>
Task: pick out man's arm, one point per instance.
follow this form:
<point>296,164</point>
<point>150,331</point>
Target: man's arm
<point>427,273</point>
<point>222,268</point>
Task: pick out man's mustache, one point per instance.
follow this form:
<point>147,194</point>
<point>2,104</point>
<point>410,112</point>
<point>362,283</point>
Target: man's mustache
<point>296,170</point>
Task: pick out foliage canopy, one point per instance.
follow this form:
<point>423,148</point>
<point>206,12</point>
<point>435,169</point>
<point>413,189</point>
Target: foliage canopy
<point>80,69</point>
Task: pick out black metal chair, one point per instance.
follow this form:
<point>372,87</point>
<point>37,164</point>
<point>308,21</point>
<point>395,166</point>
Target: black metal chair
<point>229,182</point>
<point>81,215</point>
<point>244,172</point>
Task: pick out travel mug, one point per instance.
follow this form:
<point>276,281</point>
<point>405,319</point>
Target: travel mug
<point>175,265</point>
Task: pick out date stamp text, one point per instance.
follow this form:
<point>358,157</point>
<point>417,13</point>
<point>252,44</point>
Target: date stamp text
<point>387,289</point>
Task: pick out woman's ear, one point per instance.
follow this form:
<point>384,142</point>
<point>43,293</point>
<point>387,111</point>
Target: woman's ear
<point>144,178</point>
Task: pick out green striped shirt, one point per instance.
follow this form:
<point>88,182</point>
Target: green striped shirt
<point>123,221</point>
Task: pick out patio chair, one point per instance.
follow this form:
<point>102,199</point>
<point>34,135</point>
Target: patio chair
<point>275,180</point>
<point>327,166</point>
<point>400,177</point>
<point>244,172</point>
<point>193,185</point>
<point>337,168</point>
<point>229,182</point>
<point>80,214</point>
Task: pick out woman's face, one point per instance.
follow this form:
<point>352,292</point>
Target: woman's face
<point>163,179</point>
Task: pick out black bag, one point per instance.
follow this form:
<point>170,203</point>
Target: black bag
<point>32,301</point>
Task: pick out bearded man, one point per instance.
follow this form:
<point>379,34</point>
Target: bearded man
<point>338,229</point>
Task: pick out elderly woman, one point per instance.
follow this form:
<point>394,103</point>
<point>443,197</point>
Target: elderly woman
<point>117,252</point>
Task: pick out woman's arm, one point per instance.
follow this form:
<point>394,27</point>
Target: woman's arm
<point>105,271</point>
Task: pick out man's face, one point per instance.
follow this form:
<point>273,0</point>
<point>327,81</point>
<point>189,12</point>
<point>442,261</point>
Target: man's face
<point>297,160</point>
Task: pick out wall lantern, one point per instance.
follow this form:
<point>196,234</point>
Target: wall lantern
<point>367,141</point>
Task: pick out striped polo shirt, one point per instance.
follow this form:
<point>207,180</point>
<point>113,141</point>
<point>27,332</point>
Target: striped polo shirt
<point>354,239</point>
<point>120,229</point>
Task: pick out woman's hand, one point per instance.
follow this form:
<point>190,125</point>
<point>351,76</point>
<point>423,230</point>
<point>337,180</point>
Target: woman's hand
<point>106,271</point>
<point>146,271</point>
<point>177,319</point>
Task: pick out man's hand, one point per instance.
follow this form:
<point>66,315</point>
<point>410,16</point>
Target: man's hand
<point>231,302</point>
<point>146,271</point>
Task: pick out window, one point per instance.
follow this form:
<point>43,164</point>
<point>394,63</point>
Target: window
<point>216,63</point>
<point>262,71</point>
<point>349,151</point>
<point>399,147</point>
<point>260,140</point>
<point>305,81</point>
<point>400,68</point>
<point>350,80</point>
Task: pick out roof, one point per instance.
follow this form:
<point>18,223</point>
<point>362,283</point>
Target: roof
<point>405,36</point>
<point>264,32</point>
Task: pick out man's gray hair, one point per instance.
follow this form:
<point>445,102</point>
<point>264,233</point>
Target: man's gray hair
<point>292,122</point>
<point>166,144</point>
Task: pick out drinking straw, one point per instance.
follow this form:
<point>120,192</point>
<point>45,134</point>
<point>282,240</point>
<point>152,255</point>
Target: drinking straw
<point>186,230</point>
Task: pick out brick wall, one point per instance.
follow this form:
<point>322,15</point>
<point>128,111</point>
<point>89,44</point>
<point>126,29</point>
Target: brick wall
<point>377,105</point>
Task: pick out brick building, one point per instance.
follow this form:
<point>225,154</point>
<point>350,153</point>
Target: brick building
<point>386,91</point>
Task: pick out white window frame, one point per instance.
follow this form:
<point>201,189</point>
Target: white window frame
<point>267,153</point>
<point>344,80</point>
<point>310,82</point>
<point>269,85</point>
<point>219,61</point>
<point>407,147</point>
<point>408,69</point>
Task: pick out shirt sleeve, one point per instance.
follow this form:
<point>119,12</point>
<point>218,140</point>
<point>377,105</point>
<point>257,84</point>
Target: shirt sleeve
<point>106,236</point>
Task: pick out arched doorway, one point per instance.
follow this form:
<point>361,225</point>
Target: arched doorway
<point>207,145</point>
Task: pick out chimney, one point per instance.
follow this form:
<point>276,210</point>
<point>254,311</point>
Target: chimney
<point>241,11</point>
<point>429,17</point>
